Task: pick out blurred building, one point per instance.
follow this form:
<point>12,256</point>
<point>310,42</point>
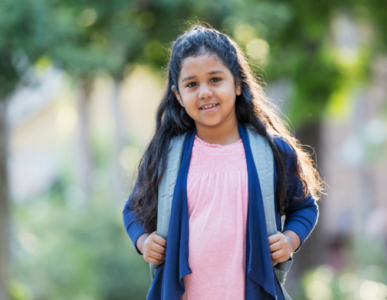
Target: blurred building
<point>45,131</point>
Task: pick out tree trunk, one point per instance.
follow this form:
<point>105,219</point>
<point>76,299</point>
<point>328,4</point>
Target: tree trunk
<point>84,140</point>
<point>119,183</point>
<point>4,207</point>
<point>312,251</point>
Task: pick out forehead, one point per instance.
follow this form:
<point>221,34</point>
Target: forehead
<point>202,64</point>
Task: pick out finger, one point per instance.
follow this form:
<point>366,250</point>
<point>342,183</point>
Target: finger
<point>280,259</point>
<point>154,261</point>
<point>150,255</point>
<point>277,254</point>
<point>275,246</point>
<point>274,238</point>
<point>160,240</point>
<point>157,248</point>
<point>157,256</point>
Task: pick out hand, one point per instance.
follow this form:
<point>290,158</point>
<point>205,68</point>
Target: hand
<point>282,245</point>
<point>153,247</point>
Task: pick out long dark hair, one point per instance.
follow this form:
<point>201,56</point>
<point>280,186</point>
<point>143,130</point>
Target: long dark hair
<point>252,107</point>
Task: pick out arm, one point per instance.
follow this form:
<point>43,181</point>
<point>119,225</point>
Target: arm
<point>132,225</point>
<point>302,221</point>
<point>150,245</point>
<point>301,215</point>
<point>293,238</point>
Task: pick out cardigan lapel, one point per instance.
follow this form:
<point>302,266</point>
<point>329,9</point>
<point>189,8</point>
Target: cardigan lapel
<point>259,271</point>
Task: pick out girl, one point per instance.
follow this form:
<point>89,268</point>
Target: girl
<point>212,95</point>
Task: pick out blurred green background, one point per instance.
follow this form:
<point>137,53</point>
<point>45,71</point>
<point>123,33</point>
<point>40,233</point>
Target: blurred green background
<point>80,82</point>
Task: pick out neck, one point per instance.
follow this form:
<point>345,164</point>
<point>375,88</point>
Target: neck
<point>224,134</point>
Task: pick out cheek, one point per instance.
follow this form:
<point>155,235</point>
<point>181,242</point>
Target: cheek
<point>192,111</point>
<point>190,106</point>
<point>226,94</point>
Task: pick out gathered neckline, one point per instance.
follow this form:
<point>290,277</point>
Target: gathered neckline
<point>216,145</point>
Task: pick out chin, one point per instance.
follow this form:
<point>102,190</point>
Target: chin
<point>209,123</point>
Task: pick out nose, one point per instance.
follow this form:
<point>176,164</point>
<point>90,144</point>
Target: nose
<point>204,92</point>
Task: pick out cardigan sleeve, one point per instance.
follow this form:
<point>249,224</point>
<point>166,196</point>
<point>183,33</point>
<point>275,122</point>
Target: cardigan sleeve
<point>301,214</point>
<point>131,221</point>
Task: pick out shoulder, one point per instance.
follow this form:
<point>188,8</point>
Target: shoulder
<point>288,152</point>
<point>281,143</point>
<point>277,139</point>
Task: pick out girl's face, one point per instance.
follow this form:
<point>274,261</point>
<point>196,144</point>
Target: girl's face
<point>204,80</point>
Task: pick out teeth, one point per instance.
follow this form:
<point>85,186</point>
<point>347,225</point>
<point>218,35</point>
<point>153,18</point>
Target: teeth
<point>204,107</point>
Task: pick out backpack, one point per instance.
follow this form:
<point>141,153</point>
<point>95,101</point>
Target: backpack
<point>264,163</point>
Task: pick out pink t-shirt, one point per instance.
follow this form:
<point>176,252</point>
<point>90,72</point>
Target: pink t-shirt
<point>217,207</point>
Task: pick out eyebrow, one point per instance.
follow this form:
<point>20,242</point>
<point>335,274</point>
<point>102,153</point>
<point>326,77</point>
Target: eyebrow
<point>210,73</point>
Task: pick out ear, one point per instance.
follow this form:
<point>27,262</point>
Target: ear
<point>177,95</point>
<point>238,88</point>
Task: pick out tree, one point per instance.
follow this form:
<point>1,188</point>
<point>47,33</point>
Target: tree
<point>21,43</point>
<point>29,29</point>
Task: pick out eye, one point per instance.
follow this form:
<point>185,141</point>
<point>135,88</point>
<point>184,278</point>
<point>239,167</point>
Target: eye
<point>216,78</point>
<point>188,85</point>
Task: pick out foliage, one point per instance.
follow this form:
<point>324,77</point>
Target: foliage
<point>24,36</point>
<point>64,249</point>
<point>365,276</point>
<point>288,39</point>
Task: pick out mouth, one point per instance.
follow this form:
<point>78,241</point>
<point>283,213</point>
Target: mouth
<point>208,107</point>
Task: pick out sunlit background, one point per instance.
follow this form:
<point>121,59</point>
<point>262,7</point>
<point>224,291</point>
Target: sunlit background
<point>80,82</point>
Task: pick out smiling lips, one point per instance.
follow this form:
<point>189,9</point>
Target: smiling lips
<point>208,106</point>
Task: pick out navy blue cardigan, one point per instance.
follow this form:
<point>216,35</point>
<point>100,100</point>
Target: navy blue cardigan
<point>261,282</point>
